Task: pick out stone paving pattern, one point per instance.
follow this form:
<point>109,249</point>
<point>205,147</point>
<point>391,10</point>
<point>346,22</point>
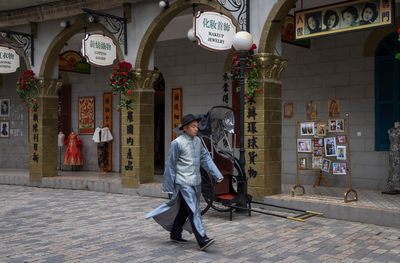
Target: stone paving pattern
<point>60,225</point>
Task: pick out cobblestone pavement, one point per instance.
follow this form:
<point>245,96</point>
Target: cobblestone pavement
<point>58,225</point>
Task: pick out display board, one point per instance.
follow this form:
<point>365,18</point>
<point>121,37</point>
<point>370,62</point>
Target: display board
<point>324,146</point>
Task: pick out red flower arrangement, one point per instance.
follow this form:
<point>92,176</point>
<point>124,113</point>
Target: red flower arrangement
<point>251,70</point>
<point>397,55</point>
<point>26,89</point>
<point>120,82</point>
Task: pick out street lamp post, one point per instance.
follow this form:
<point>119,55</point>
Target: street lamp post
<point>242,42</point>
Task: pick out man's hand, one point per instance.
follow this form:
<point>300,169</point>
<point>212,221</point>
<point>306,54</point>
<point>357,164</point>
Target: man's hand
<point>220,180</point>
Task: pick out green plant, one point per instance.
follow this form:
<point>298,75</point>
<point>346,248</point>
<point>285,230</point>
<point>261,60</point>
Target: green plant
<point>26,89</point>
<point>251,73</point>
<point>120,82</point>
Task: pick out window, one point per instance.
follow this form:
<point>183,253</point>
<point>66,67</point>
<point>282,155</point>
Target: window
<point>387,81</point>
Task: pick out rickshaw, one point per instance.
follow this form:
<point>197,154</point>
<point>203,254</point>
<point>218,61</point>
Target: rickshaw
<point>217,132</point>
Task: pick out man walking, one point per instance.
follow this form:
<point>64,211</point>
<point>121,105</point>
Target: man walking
<point>182,178</point>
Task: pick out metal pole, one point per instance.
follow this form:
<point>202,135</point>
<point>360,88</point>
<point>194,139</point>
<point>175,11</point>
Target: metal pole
<point>242,186</point>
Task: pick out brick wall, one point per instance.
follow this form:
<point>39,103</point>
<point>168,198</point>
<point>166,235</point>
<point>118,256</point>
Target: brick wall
<point>334,67</point>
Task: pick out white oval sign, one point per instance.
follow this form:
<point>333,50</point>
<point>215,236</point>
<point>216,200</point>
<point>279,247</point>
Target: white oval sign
<point>214,31</point>
<point>9,60</point>
<point>99,50</point>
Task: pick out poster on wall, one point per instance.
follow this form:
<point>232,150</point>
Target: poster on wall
<point>176,110</point>
<point>4,129</point>
<point>72,61</point>
<point>4,107</point>
<point>287,33</point>
<point>86,115</point>
<point>343,17</point>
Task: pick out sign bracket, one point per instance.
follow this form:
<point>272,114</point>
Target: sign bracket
<point>23,39</point>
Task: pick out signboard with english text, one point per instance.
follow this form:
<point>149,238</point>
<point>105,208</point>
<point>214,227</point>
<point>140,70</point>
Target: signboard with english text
<point>99,50</point>
<point>214,31</point>
<point>9,60</point>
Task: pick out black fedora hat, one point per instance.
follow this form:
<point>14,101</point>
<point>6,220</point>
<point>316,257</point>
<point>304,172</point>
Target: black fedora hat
<point>188,119</point>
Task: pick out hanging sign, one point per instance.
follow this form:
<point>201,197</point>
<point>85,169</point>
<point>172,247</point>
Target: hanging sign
<point>99,50</point>
<point>9,60</point>
<point>214,31</point>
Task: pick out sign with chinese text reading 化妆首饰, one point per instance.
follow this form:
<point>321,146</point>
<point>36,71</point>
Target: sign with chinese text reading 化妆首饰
<point>343,17</point>
<point>99,50</point>
<point>9,60</point>
<point>214,31</point>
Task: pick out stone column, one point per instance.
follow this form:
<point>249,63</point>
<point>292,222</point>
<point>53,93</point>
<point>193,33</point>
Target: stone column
<point>43,130</point>
<point>263,129</point>
<point>137,129</point>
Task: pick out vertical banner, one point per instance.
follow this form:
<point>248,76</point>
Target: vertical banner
<point>176,112</point>
<point>86,114</point>
<point>108,121</point>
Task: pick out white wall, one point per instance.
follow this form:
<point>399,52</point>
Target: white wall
<point>334,67</point>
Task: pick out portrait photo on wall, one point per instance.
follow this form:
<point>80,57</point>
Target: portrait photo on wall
<point>341,152</point>
<point>321,130</point>
<point>333,108</point>
<point>307,128</point>
<point>287,33</point>
<point>341,139</point>
<point>288,110</point>
<point>316,162</point>
<point>4,107</point>
<point>336,125</point>
<point>326,165</point>
<point>343,17</point>
<point>303,163</point>
<point>318,142</point>
<point>86,115</point>
<point>304,145</point>
<point>4,129</point>
<point>339,168</point>
<point>330,146</point>
<point>318,152</point>
<point>311,110</point>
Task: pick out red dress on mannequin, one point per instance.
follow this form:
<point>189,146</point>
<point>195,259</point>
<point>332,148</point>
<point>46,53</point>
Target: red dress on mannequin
<point>73,155</point>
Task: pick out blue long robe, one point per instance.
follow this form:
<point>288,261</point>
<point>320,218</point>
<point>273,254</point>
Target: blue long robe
<point>166,213</point>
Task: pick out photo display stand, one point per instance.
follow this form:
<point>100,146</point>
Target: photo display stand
<point>324,146</point>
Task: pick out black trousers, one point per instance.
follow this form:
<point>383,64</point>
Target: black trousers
<point>180,219</point>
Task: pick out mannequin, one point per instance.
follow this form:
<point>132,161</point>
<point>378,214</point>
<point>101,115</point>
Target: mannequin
<point>73,155</point>
<point>102,136</point>
<point>393,181</point>
<point>61,138</point>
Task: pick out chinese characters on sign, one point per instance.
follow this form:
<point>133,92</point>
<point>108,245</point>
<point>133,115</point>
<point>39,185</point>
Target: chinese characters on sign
<point>99,50</point>
<point>86,114</point>
<point>9,60</point>
<point>176,110</point>
<point>214,31</point>
<point>343,17</point>
<point>108,121</point>
<point>252,141</point>
<point>35,135</point>
<point>225,88</point>
<point>129,141</point>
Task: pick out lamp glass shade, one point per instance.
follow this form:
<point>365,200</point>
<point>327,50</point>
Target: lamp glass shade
<point>190,35</point>
<point>242,41</point>
<point>162,4</point>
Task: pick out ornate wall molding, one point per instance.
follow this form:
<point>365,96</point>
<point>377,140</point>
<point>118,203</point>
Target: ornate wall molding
<point>48,87</point>
<point>144,79</point>
<point>270,67</point>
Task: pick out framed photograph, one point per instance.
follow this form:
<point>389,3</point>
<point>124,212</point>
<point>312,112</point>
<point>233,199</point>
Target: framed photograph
<point>341,152</point>
<point>287,33</point>
<point>311,110</point>
<point>326,165</point>
<point>86,115</point>
<point>4,129</point>
<point>340,125</point>
<point>4,107</point>
<point>318,153</point>
<point>341,139</point>
<point>302,163</point>
<point>339,168</point>
<point>321,130</point>
<point>317,163</point>
<point>333,108</point>
<point>330,146</point>
<point>318,142</point>
<point>304,145</point>
<point>307,128</point>
<point>288,110</point>
<point>343,17</point>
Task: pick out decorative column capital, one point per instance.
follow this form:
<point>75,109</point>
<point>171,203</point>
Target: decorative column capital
<point>144,79</point>
<point>48,87</point>
<point>269,66</point>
